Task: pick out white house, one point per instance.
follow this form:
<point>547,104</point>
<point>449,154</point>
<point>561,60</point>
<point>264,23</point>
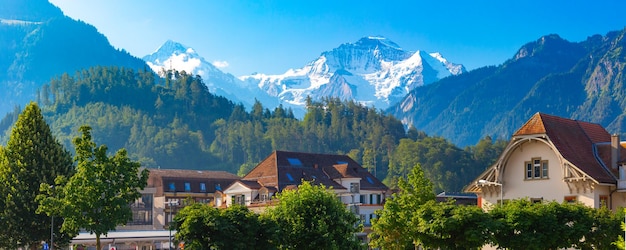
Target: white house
<point>557,159</point>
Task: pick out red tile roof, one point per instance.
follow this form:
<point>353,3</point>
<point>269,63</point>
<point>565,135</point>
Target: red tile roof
<point>575,140</point>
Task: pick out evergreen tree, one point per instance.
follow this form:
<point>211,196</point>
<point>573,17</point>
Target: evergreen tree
<point>32,157</point>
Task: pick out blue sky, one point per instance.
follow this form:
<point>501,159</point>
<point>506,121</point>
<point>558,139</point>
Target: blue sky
<point>272,36</point>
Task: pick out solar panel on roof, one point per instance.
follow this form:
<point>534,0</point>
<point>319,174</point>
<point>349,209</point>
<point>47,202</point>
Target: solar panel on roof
<point>370,180</point>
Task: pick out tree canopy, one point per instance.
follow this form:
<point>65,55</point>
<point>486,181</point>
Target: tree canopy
<point>205,227</point>
<point>96,197</point>
<point>311,217</point>
<point>32,157</point>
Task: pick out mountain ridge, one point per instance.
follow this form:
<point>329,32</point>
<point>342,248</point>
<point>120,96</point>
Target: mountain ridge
<point>580,80</point>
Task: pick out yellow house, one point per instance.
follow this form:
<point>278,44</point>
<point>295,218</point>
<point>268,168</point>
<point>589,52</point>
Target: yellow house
<point>557,159</point>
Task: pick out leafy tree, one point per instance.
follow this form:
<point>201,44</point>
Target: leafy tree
<point>96,197</point>
<point>395,227</point>
<point>607,228</point>
<point>445,225</point>
<point>204,227</point>
<point>32,157</point>
<point>312,217</point>
<point>522,224</point>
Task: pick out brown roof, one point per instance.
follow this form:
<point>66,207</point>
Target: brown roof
<point>212,180</point>
<point>186,173</point>
<point>575,141</point>
<point>284,168</point>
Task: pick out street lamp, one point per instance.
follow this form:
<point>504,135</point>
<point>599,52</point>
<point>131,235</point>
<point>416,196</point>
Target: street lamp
<point>493,183</point>
<point>169,225</point>
<point>52,232</point>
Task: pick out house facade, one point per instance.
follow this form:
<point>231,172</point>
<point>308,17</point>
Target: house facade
<point>166,193</point>
<point>282,170</point>
<point>557,159</point>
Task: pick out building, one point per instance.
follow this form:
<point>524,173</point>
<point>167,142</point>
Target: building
<point>557,159</point>
<point>357,188</point>
<point>151,213</point>
<point>459,198</point>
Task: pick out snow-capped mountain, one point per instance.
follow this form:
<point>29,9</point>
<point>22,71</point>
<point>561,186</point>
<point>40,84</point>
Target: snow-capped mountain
<point>173,55</point>
<point>374,71</point>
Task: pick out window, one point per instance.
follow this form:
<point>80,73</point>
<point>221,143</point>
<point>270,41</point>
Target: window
<point>374,198</point>
<point>239,199</point>
<point>536,200</point>
<point>369,179</point>
<point>354,187</point>
<point>202,187</point>
<point>536,169</point>
<point>362,201</point>
<point>172,186</point>
<point>187,187</point>
<point>604,201</point>
<point>570,199</point>
<point>142,211</point>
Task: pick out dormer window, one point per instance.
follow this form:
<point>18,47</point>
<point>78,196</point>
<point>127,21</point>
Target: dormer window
<point>536,169</point>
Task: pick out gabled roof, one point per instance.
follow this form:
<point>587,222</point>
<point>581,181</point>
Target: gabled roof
<point>575,141</point>
<point>283,168</point>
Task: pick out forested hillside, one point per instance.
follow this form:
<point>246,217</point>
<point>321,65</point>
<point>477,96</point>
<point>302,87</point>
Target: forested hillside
<point>176,122</point>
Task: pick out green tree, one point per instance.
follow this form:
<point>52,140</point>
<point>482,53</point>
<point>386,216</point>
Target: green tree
<point>395,228</point>
<point>96,197</point>
<point>32,157</point>
<point>522,224</point>
<point>204,227</point>
<point>445,225</point>
<point>311,217</point>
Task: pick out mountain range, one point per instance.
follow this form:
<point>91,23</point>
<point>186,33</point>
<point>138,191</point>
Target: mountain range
<point>175,56</point>
<point>38,42</point>
<point>579,80</point>
<point>374,71</point>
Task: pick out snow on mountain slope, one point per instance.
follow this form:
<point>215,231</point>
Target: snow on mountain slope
<point>173,55</point>
<point>374,71</point>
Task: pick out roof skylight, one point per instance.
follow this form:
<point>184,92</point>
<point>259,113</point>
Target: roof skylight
<point>294,161</point>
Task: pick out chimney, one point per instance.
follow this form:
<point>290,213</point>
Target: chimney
<point>615,148</point>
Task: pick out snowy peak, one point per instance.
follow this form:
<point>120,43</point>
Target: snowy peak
<point>377,41</point>
<point>173,55</point>
<point>373,70</point>
<point>176,56</point>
